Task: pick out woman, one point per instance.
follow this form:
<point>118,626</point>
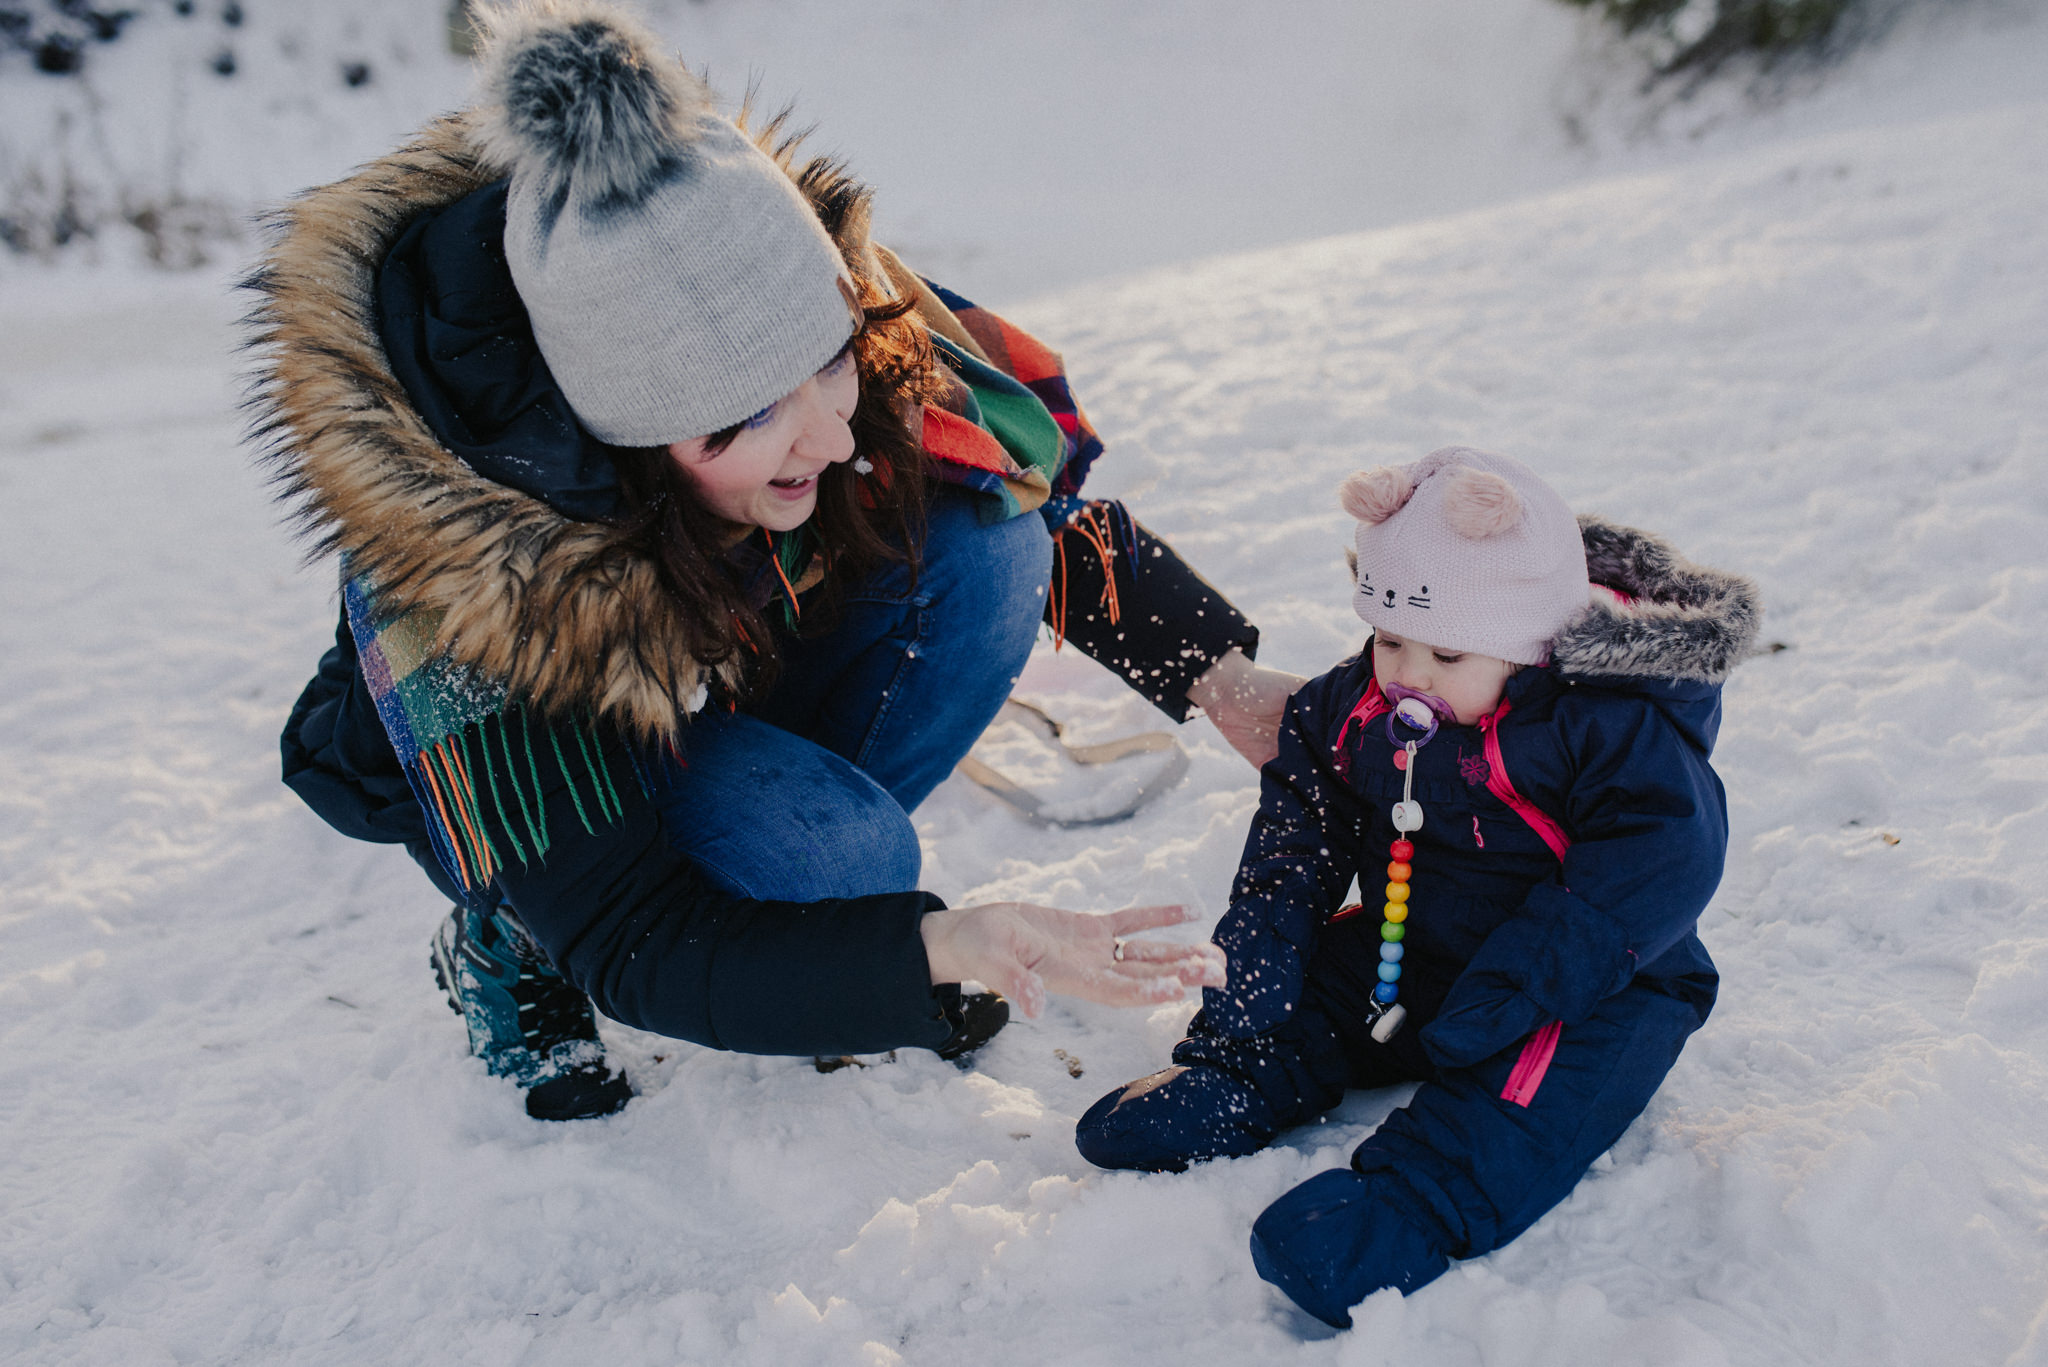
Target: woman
<point>688,541</point>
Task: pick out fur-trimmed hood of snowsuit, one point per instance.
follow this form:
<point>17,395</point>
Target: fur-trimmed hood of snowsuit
<point>1682,621</point>
<point>558,610</point>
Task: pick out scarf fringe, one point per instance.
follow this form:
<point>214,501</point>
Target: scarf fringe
<point>485,783</point>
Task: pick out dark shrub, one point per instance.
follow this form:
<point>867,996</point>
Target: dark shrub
<point>1699,35</point>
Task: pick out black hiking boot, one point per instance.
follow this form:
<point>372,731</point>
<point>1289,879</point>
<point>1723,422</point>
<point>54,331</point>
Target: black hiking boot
<point>526,1021</point>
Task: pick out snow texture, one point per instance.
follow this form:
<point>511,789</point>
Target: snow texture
<point>1809,345</point>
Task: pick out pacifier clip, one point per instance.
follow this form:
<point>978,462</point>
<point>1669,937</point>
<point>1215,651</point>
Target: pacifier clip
<point>1386,1010</point>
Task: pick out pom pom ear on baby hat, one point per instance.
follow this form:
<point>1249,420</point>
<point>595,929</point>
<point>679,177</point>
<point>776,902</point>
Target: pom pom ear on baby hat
<point>1478,504</point>
<point>1377,494</point>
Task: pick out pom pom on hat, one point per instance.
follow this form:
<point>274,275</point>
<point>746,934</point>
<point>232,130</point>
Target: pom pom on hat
<point>580,92</point>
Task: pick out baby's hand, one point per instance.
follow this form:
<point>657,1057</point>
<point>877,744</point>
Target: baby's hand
<point>1484,1014</point>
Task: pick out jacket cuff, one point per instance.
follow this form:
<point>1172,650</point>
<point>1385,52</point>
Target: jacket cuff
<point>838,977</point>
<point>1130,602</point>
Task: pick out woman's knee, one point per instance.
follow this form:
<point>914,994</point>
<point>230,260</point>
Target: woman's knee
<point>850,852</point>
<point>769,815</point>
<point>994,576</point>
<point>875,850</point>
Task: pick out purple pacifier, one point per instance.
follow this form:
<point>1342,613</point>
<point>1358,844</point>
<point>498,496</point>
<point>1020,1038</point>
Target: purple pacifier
<point>1416,710</point>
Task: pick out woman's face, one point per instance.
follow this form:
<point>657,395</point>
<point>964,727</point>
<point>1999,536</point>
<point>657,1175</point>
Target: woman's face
<point>768,475</point>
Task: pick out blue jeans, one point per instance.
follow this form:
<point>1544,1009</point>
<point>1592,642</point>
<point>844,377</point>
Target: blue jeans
<point>806,794</point>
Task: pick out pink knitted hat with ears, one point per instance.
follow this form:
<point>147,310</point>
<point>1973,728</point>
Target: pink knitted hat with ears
<point>1469,551</point>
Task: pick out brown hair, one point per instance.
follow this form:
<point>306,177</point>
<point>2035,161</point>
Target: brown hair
<point>862,522</point>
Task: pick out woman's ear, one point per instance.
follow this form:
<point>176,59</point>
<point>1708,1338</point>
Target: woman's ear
<point>1377,494</point>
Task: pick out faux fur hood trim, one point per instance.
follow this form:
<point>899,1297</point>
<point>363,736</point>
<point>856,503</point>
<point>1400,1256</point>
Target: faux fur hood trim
<point>561,612</point>
<point>1686,622</point>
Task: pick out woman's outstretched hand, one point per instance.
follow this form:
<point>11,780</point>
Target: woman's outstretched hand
<point>1025,951</point>
<point>1246,702</point>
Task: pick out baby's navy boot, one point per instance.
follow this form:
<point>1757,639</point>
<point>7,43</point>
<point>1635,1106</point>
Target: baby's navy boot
<point>1174,1117</point>
<point>1337,1238</point>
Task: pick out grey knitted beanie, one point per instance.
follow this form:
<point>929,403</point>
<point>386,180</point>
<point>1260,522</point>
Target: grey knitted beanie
<point>677,281</point>
<point>1466,550</point>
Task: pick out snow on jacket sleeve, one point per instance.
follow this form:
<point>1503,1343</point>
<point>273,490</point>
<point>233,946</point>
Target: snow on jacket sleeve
<point>1298,861</point>
<point>1649,826</point>
<point>1168,625</point>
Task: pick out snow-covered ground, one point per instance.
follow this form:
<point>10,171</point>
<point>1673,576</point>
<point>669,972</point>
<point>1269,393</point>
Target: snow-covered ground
<point>1810,344</point>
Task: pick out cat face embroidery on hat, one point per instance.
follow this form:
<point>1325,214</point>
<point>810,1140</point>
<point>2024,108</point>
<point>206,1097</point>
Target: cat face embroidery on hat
<point>1466,551</point>
<point>1390,597</point>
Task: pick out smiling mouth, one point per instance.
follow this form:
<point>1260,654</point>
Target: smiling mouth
<point>793,486</point>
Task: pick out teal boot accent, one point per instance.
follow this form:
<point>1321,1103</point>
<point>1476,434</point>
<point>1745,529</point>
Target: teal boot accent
<point>526,1021</point>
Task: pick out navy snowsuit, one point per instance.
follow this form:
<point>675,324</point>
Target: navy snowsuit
<point>1547,996</point>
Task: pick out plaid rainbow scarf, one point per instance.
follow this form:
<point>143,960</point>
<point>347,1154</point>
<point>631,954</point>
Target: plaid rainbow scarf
<point>468,750</point>
<point>1010,426</point>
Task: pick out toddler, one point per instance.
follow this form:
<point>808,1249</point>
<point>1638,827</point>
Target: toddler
<point>1522,747</point>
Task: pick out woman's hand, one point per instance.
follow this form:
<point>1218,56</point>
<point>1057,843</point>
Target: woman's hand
<point>1246,702</point>
<point>1025,951</point>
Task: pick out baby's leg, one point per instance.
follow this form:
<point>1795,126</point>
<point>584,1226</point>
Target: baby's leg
<point>1463,1168</point>
<point>1222,1098</point>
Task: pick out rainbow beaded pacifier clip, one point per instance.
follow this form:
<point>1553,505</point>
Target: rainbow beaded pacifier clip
<point>1386,1011</point>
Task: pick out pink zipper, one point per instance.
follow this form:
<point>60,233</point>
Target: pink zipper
<point>1527,1074</point>
<point>1371,705</point>
<point>1497,783</point>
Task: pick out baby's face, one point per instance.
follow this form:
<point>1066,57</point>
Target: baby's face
<point>1470,683</point>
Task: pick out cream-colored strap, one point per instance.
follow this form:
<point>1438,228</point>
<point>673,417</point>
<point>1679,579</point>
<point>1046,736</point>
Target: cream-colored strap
<point>1034,808</point>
